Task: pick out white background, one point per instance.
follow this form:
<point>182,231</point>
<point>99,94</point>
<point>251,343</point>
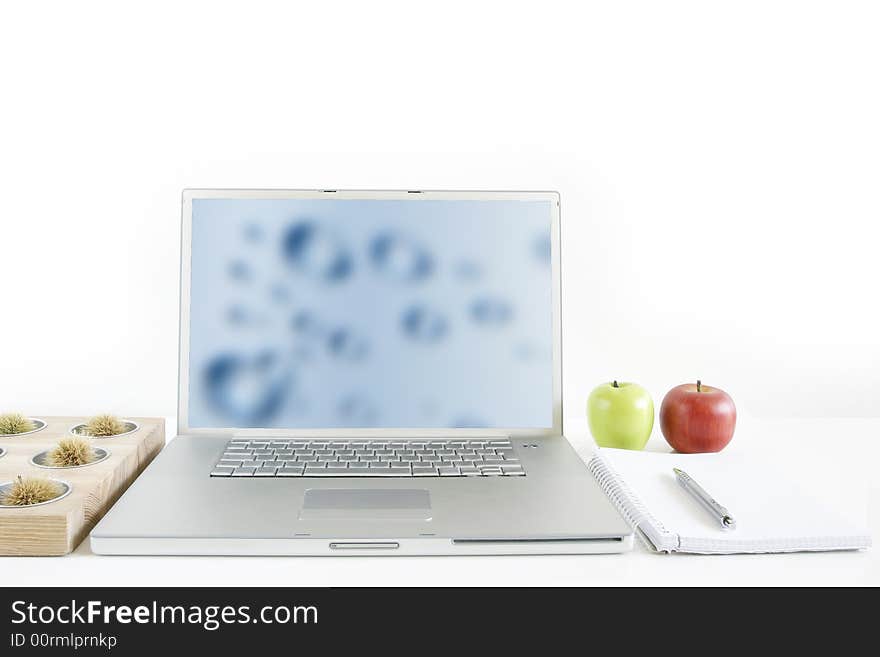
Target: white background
<point>718,165</point>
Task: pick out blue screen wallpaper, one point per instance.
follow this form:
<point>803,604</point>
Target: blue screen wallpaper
<point>337,313</point>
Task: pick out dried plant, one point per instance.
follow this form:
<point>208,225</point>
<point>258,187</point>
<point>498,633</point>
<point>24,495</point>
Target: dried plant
<point>105,425</point>
<point>69,452</point>
<point>15,423</point>
<point>33,490</point>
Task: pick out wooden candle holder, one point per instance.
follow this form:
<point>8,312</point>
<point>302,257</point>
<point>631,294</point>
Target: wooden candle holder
<point>58,528</point>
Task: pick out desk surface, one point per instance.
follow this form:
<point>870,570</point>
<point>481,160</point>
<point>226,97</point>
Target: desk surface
<point>849,447</point>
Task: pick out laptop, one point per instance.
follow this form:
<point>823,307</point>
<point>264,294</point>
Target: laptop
<point>367,372</point>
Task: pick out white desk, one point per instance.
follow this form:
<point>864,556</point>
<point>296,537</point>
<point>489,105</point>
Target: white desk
<point>852,447</point>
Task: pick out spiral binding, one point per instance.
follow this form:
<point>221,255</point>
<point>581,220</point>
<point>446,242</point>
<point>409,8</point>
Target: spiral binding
<point>629,506</point>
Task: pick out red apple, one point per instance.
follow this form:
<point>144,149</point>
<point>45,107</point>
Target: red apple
<point>697,418</point>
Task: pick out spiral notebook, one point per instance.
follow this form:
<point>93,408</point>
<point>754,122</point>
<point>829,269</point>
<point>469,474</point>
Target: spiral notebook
<point>774,513</point>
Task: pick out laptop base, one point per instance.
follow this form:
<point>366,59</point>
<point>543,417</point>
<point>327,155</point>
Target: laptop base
<point>176,508</point>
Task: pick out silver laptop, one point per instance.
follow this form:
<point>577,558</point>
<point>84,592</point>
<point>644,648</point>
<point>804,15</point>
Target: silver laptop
<point>367,373</point>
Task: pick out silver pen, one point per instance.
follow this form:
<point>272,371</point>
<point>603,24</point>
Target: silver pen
<point>700,495</point>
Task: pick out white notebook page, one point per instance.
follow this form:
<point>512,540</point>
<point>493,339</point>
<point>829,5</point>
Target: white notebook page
<point>774,510</point>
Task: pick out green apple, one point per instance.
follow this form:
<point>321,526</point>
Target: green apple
<point>620,415</point>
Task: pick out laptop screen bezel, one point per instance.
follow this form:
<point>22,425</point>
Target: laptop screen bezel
<point>190,195</point>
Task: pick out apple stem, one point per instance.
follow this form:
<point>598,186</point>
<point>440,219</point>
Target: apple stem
<point>699,386</point>
<point>615,384</point>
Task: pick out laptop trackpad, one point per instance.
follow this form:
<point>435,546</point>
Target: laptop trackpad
<point>366,504</point>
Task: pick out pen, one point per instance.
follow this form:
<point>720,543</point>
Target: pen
<point>698,493</point>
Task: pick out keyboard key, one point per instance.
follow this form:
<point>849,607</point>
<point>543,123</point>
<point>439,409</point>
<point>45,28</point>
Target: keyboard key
<point>265,471</point>
<point>445,471</point>
<point>380,473</point>
<point>359,465</point>
<point>334,471</point>
<point>243,472</point>
<point>221,471</point>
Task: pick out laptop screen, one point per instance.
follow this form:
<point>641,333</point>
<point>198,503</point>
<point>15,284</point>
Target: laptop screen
<point>370,313</point>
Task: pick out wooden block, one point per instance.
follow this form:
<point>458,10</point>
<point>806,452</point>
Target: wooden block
<point>59,527</point>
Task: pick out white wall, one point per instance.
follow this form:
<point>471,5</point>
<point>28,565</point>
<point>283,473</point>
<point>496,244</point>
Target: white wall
<point>718,164</point>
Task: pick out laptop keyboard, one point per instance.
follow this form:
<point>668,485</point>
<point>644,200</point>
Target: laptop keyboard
<point>368,458</point>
